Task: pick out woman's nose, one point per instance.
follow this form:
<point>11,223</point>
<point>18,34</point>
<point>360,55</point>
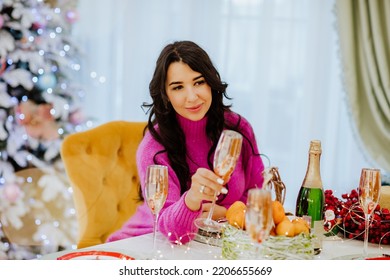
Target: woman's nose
<point>192,94</point>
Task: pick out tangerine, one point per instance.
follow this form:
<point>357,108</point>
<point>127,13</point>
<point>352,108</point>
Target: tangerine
<point>286,228</point>
<point>272,231</point>
<point>278,213</point>
<point>235,214</point>
<point>300,225</point>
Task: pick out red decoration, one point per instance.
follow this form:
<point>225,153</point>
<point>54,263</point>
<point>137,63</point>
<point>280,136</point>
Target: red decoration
<point>349,218</point>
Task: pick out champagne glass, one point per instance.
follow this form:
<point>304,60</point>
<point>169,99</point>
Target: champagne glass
<point>369,192</point>
<point>258,215</point>
<point>225,159</point>
<point>156,191</point>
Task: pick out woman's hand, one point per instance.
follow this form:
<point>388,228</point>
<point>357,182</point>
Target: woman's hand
<point>219,211</point>
<point>204,183</point>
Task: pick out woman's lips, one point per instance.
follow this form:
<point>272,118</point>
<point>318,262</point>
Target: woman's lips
<point>195,108</point>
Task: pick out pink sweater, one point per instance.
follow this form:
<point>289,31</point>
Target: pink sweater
<point>176,221</point>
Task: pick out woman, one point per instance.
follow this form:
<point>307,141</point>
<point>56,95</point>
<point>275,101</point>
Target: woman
<point>186,118</point>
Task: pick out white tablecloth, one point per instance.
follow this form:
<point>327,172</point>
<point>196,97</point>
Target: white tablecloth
<point>141,247</point>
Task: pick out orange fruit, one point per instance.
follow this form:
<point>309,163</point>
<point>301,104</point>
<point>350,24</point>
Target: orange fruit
<point>300,225</point>
<point>286,228</point>
<point>272,231</point>
<point>278,213</point>
<point>235,214</point>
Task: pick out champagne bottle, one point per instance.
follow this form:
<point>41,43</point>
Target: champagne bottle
<point>310,200</point>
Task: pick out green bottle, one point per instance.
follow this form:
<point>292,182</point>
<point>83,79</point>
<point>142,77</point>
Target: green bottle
<point>311,199</point>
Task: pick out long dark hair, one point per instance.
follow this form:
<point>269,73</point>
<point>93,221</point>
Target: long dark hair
<point>169,132</point>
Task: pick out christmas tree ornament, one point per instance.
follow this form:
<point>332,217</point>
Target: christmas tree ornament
<point>45,81</point>
<point>72,16</point>
<point>12,192</point>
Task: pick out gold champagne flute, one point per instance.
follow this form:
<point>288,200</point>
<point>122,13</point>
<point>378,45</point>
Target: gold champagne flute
<point>258,215</point>
<point>156,191</point>
<point>225,158</point>
<point>369,193</point>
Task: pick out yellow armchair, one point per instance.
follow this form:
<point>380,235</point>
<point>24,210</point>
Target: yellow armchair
<point>101,167</point>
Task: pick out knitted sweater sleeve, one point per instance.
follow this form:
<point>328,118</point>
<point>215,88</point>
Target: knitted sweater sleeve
<point>176,220</point>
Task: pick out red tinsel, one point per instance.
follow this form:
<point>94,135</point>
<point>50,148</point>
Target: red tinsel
<point>346,216</point>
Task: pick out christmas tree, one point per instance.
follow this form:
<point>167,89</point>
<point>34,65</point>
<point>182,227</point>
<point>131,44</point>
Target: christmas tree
<point>40,103</point>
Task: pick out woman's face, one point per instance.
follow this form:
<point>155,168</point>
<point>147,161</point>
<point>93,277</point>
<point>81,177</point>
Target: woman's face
<point>187,91</point>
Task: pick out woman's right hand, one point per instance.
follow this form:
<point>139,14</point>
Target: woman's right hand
<point>204,183</point>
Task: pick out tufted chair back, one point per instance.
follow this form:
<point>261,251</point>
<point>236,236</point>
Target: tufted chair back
<point>101,167</point>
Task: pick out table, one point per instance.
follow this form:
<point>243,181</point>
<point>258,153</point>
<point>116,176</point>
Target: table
<point>141,247</point>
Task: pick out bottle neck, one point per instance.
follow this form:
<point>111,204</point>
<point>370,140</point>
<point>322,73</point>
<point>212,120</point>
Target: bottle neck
<point>313,176</point>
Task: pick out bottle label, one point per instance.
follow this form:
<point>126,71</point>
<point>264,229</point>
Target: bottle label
<point>318,231</point>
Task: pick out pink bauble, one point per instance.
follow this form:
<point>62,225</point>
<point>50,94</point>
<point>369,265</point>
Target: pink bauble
<point>12,192</point>
<point>72,16</point>
<point>77,117</point>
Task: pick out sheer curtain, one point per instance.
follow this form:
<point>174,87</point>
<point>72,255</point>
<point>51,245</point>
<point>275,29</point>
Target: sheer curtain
<point>364,28</point>
<point>280,59</point>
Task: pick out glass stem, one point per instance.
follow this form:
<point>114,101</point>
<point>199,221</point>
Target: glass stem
<point>155,232</point>
<point>366,231</point>
<point>210,215</point>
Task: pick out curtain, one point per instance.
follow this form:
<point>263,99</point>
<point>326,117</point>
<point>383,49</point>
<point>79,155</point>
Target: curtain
<point>280,59</point>
<point>364,28</point>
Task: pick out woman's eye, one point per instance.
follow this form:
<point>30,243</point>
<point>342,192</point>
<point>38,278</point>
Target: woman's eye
<point>201,82</point>
<point>177,88</point>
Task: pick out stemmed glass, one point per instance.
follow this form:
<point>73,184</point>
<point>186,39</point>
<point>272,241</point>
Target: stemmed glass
<point>156,191</point>
<point>258,215</point>
<point>369,192</point>
<point>225,159</point>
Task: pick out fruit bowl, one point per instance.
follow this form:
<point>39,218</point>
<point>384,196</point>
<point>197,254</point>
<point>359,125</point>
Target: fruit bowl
<point>236,244</point>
